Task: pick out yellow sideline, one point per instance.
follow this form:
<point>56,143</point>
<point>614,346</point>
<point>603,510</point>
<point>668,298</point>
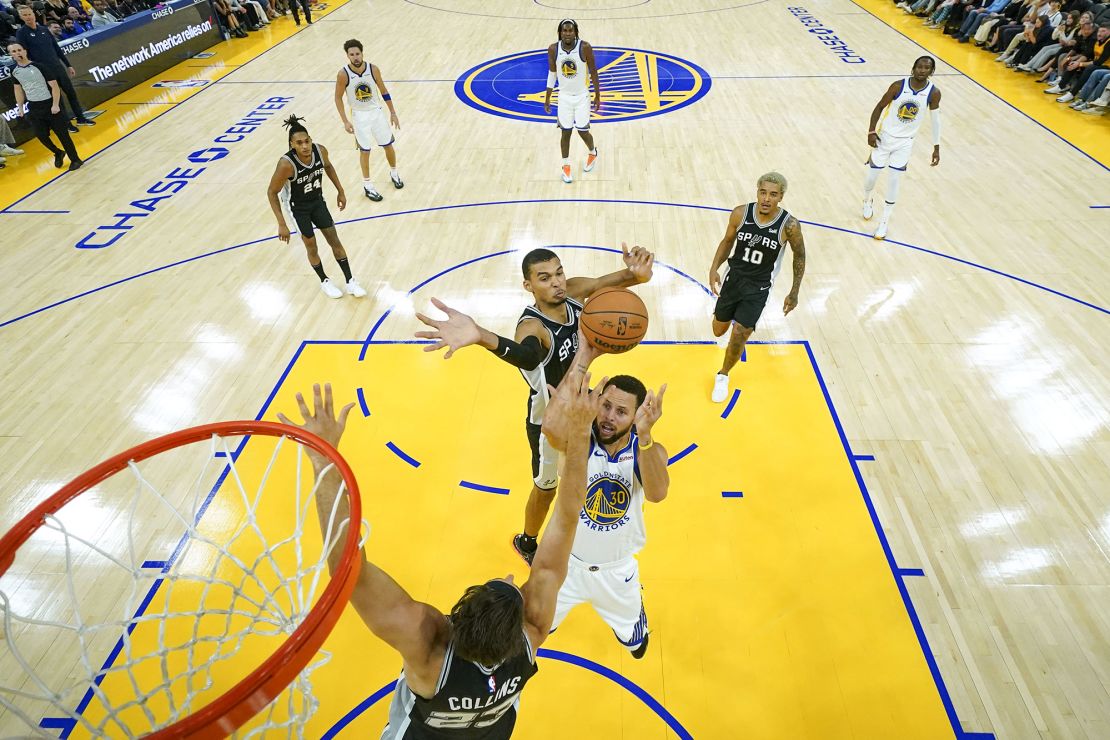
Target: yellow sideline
<point>1090,134</point>
<point>143,103</point>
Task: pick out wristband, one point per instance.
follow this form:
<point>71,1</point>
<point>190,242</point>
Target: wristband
<point>387,97</point>
<point>550,80</point>
<point>642,446</point>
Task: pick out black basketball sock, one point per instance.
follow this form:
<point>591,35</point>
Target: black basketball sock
<point>527,542</point>
<point>319,268</point>
<point>345,266</point>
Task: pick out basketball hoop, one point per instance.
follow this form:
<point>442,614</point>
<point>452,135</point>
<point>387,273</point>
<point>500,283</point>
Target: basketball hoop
<point>228,587</point>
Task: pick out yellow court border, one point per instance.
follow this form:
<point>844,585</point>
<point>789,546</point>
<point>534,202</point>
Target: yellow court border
<point>1089,134</point>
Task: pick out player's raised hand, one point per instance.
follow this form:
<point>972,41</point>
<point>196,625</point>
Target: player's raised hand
<point>573,406</point>
<point>650,411</point>
<point>456,332</point>
<point>322,420</point>
<point>639,262</point>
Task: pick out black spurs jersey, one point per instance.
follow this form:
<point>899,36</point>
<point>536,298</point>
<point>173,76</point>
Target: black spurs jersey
<point>471,702</point>
<point>564,344</point>
<point>305,187</point>
<point>757,255</point>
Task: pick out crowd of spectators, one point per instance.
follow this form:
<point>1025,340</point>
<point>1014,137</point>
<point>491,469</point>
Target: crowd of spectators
<point>1065,42</point>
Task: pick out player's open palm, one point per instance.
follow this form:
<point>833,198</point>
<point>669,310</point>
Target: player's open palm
<point>650,411</point>
<point>456,332</point>
<point>322,420</point>
<point>574,407</point>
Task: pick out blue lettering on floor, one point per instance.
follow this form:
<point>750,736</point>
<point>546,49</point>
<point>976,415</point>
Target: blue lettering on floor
<point>827,36</point>
<point>178,178</point>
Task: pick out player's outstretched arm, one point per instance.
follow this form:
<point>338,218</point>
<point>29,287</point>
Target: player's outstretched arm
<point>575,406</point>
<point>281,175</point>
<point>723,248</point>
<point>652,456</point>
<point>798,250</point>
<point>408,626</point>
<point>638,265</point>
<point>556,428</point>
<point>459,330</point>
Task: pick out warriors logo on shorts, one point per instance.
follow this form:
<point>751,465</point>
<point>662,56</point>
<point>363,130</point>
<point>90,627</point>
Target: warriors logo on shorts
<point>607,501</point>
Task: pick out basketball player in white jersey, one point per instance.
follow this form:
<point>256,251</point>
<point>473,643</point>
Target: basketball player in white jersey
<point>565,62</point>
<point>298,183</point>
<point>754,244</point>
<point>463,673</point>
<point>626,467</point>
<point>361,83</point>
<point>543,349</point>
<point>891,140</point>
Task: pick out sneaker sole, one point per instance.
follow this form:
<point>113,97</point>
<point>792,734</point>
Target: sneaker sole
<point>376,200</point>
<point>519,552</point>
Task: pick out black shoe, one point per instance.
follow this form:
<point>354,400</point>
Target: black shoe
<point>371,193</point>
<point>639,652</point>
<point>75,165</point>
<point>523,549</point>
<point>397,182</point>
<point>59,160</point>
<point>85,122</point>
<point>72,128</point>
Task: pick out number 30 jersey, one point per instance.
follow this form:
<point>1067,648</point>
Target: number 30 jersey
<point>305,186</point>
<point>757,255</point>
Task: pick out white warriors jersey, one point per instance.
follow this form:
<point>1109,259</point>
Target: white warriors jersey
<point>906,112</point>
<point>571,69</point>
<point>362,91</point>
<point>611,524</point>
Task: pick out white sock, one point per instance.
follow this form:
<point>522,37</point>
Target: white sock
<point>870,180</point>
<point>393,172</point>
<point>888,208</point>
<point>566,161</point>
<point>367,184</point>
<point>594,151</point>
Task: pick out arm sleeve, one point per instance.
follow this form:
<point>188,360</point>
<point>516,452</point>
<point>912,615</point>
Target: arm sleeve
<point>550,80</point>
<point>527,355</point>
<point>934,115</point>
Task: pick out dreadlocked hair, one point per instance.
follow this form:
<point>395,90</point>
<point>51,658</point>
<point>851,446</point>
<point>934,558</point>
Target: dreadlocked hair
<point>293,123</point>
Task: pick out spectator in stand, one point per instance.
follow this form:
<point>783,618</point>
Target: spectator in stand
<point>69,30</point>
<point>80,21</point>
<point>101,16</point>
<point>1093,89</point>
<point>6,142</point>
<point>42,48</point>
<point>229,19</point>
<point>1006,38</point>
<point>1070,47</point>
<point>975,17</point>
<point>37,85</point>
<point>55,29</point>
<point>248,18</point>
<point>56,11</point>
<point>127,8</point>
<point>81,14</point>
<point>1033,40</point>
<point>1077,73</point>
<point>1063,32</point>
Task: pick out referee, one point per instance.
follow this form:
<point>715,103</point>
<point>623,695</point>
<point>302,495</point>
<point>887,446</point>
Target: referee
<point>42,49</point>
<point>38,86</point>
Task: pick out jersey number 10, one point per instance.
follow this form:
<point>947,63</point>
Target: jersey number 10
<point>754,258</point>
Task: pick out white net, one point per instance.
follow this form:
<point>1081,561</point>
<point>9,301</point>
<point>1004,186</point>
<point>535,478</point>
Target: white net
<point>138,604</point>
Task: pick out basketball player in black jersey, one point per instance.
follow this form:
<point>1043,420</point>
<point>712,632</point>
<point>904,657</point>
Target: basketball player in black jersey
<point>464,672</point>
<point>300,173</point>
<point>543,347</point>
<point>755,238</point>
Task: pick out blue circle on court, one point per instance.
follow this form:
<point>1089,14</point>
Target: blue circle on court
<point>635,83</point>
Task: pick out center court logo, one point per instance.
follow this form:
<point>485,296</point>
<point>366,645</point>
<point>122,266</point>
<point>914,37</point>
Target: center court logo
<point>634,84</point>
<point>607,501</point>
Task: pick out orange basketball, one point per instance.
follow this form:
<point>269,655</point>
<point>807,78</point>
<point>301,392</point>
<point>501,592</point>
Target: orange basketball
<point>614,320</point>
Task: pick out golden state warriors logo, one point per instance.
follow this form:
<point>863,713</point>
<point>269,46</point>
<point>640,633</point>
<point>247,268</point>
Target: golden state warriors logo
<point>607,501</point>
<point>363,92</point>
<point>908,111</point>
<point>634,84</point>
<point>569,68</point>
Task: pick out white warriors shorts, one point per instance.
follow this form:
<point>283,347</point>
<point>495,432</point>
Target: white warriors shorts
<point>892,151</point>
<point>574,111</point>
<point>613,590</point>
<point>371,127</point>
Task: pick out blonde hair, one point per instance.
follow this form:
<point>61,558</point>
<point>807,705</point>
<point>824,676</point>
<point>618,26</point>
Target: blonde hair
<point>772,177</point>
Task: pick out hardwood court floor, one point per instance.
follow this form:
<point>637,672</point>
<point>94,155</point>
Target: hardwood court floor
<point>981,393</point>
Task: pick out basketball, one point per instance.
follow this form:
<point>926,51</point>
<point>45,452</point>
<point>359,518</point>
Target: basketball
<point>614,320</point>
